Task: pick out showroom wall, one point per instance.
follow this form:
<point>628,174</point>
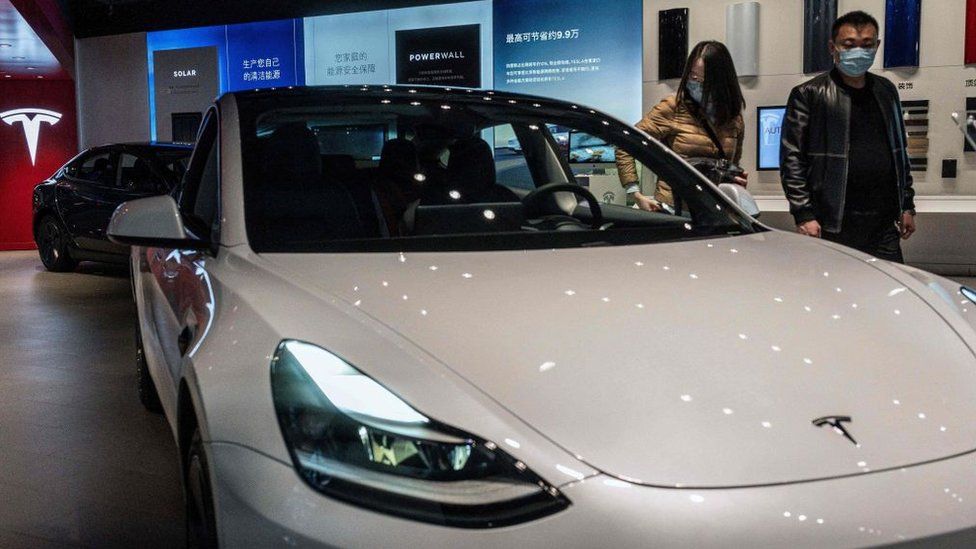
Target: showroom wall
<point>113,93</point>
<point>112,84</point>
<point>38,134</point>
<point>940,78</point>
<point>947,206</point>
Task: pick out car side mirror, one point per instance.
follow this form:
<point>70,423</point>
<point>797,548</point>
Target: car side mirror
<point>153,222</point>
<point>742,198</point>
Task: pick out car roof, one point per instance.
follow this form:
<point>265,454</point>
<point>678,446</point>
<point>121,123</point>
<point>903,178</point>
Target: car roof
<point>353,94</point>
<point>156,146</point>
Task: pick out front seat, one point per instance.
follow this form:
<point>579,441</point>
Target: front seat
<point>399,181</point>
<point>471,174</point>
<point>294,201</point>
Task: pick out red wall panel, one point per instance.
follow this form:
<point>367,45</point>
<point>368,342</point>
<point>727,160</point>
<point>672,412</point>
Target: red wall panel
<point>970,32</point>
<point>56,143</point>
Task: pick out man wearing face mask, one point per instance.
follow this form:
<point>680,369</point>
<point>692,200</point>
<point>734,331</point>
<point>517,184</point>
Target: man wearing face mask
<point>843,156</point>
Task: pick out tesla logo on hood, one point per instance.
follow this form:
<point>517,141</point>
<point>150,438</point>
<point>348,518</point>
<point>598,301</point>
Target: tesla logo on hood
<point>837,424</point>
<point>31,120</point>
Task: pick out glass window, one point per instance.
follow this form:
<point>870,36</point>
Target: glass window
<point>455,175</point>
<point>511,169</point>
<point>99,168</point>
<point>173,164</point>
<point>200,193</point>
<point>135,175</point>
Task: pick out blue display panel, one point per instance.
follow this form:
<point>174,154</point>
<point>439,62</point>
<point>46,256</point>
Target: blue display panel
<point>262,55</point>
<point>903,19</point>
<point>768,138</point>
<point>568,51</point>
<point>248,56</point>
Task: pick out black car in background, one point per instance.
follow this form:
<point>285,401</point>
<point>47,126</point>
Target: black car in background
<point>72,208</point>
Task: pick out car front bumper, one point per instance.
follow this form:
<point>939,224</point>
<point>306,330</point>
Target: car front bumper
<point>262,502</point>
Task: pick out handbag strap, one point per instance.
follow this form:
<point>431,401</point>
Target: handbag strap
<point>703,120</point>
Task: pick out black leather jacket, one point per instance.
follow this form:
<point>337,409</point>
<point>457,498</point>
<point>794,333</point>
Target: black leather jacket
<point>814,147</point>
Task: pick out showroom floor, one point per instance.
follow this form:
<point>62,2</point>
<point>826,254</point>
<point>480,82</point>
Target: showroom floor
<point>81,462</point>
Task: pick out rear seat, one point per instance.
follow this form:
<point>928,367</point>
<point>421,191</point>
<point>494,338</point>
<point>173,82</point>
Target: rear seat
<point>295,202</point>
<point>340,170</point>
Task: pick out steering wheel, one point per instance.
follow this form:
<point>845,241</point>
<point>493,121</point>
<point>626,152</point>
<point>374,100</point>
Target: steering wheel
<point>532,201</point>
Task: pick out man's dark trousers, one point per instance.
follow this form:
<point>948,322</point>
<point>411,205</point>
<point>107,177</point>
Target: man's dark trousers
<point>873,233</point>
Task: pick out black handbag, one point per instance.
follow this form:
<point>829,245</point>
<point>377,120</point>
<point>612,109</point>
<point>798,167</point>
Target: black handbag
<point>717,170</point>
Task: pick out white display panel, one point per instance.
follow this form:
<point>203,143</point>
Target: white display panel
<point>335,45</point>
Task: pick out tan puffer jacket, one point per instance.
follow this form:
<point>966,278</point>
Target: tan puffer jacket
<point>676,127</point>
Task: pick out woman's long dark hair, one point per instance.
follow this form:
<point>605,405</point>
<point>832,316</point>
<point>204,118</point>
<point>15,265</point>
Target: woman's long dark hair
<point>721,87</point>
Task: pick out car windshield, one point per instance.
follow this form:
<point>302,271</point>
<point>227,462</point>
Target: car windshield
<point>414,170</point>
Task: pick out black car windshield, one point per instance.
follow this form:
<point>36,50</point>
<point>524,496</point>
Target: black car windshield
<point>413,170</point>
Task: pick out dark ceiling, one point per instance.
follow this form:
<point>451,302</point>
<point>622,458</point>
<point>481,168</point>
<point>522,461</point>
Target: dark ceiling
<point>103,17</point>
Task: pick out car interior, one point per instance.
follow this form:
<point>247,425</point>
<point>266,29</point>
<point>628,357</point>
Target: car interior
<point>417,177</point>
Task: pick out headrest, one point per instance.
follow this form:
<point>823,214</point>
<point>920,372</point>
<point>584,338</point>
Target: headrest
<point>292,154</point>
<point>399,159</point>
<point>338,164</point>
<point>471,165</point>
<point>140,166</point>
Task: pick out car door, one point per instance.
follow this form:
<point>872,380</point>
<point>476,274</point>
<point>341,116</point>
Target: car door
<point>176,285</point>
<point>86,194</point>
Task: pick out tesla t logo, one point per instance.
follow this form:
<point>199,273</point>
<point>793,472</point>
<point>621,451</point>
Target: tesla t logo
<point>837,424</point>
<point>31,120</point>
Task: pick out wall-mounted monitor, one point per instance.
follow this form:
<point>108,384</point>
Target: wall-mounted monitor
<point>589,149</point>
<point>770,121</point>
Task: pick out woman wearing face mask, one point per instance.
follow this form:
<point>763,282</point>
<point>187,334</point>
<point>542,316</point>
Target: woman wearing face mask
<point>704,113</point>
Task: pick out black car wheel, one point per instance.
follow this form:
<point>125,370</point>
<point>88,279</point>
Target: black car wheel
<point>201,525</point>
<point>52,245</point>
<point>147,388</point>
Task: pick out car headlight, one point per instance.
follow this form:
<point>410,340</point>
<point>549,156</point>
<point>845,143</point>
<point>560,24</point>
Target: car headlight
<point>969,293</point>
<point>353,439</point>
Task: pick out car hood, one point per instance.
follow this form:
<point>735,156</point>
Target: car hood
<point>701,363</point>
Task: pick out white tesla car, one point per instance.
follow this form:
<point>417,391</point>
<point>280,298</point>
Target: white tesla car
<point>364,353</point>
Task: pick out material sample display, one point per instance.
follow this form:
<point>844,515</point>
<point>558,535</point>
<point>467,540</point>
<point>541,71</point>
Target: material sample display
<point>970,56</point>
<point>917,127</point>
<point>742,36</point>
<point>818,17</point>
<point>902,33</point>
<point>672,45</point>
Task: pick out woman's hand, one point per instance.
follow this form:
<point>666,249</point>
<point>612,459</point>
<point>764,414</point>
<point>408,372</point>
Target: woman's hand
<point>742,180</point>
<point>646,203</point>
